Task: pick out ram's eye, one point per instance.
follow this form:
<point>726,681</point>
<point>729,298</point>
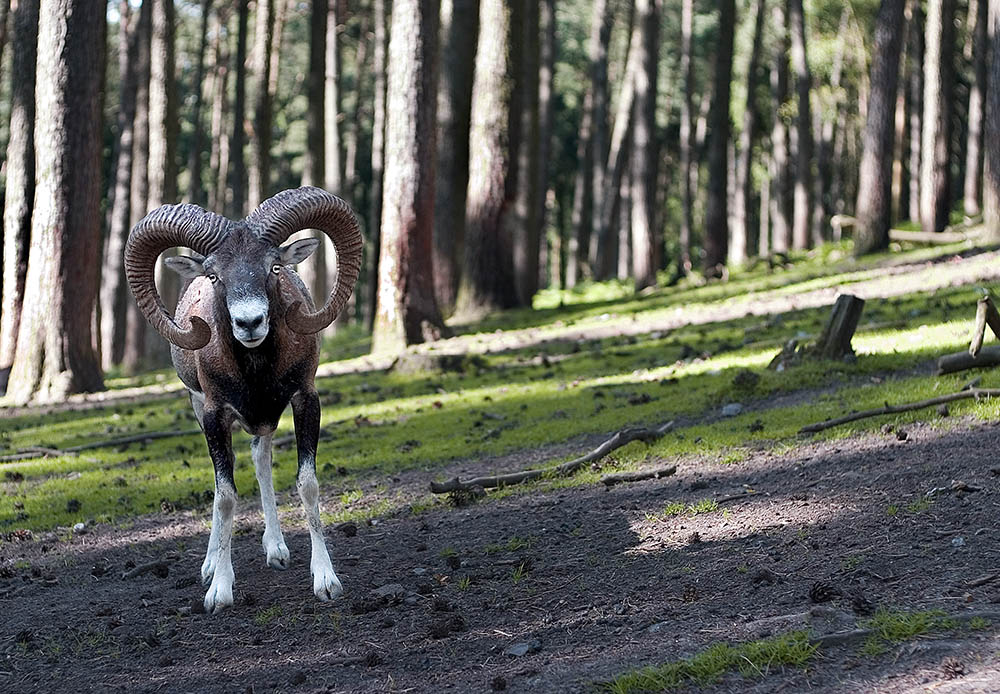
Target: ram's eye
<point>276,269</point>
<point>213,278</point>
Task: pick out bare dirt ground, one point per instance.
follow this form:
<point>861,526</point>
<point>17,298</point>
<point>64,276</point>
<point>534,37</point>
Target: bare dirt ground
<point>542,592</point>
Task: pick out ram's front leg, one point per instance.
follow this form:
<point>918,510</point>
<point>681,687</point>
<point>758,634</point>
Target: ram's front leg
<point>305,410</point>
<point>218,567</point>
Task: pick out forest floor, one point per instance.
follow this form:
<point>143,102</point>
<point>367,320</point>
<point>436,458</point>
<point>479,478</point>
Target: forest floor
<point>885,531</point>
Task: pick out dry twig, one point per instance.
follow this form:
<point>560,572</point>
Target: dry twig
<point>895,409</point>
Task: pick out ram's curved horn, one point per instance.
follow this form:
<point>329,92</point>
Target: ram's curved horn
<point>166,227</point>
<point>290,211</point>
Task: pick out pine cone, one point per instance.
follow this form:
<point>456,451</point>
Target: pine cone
<point>822,591</point>
<point>690,594</point>
<point>861,605</point>
<point>952,668</point>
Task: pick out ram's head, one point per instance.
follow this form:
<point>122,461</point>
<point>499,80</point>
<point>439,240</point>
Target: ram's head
<point>243,261</point>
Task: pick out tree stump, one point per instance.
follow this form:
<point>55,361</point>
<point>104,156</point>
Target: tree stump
<point>835,342</point>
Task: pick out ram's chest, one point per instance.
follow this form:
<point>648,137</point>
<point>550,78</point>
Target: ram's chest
<point>260,396</point>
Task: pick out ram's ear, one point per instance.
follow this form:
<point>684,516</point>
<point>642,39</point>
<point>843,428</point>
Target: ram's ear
<point>185,266</point>
<point>297,251</point>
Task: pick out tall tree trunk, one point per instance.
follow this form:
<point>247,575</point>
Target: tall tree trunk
<point>901,153</point>
<point>742,194</point>
<point>991,135</point>
<point>20,192</point>
<point>935,168</point>
<point>260,134</point>
<point>874,207</point>
<point>546,116</point>
<point>599,43</point>
<point>196,188</point>
<point>716,207</point>
<point>781,223</point>
<point>764,229</point>
<point>336,17</point>
<point>686,160</point>
<point>487,282</point>
<point>219,155</point>
<point>378,154</point>
<point>645,247</point>
<point>459,29</point>
<point>526,228</point>
<point>359,115</point>
<point>113,293</point>
<point>407,310</point>
<point>973,188</point>
<point>823,205</point>
<point>55,354</point>
<point>583,191</point>
<point>136,328</point>
<point>915,90</point>
<point>804,160</point>
<point>314,167</point>
<point>237,203</point>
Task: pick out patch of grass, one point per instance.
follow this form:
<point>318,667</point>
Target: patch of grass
<point>918,506</point>
<point>514,544</point>
<point>676,508</point>
<point>448,552</point>
<point>891,510</point>
<point>351,496</point>
<point>896,626</point>
<point>752,660</point>
<point>979,624</point>
<point>463,583</point>
<point>267,615</point>
<point>519,572</point>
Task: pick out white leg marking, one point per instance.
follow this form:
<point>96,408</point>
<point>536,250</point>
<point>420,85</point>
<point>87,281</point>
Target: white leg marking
<point>326,585</point>
<point>208,566</point>
<point>220,592</point>
<point>273,540</point>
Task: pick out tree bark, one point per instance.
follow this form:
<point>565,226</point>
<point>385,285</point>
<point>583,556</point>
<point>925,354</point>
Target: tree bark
<point>260,134</point>
<point>459,30</point>
<point>874,206</point>
<point>716,206</point>
<point>973,188</point>
<point>196,188</point>
<point>113,292</point>
<point>20,191</point>
<point>915,91</point>
<point>314,167</point>
<point>407,310</point>
<point>487,282</point>
<point>824,206</point>
<point>136,328</point>
<point>742,193</point>
<point>237,199</point>
<point>686,160</point>
<point>645,247</point>
<point>804,154</point>
<point>599,129</point>
<point>546,118</point>
<point>935,166</point>
<point>991,136</point>
<point>781,227</point>
<point>527,227</point>
<point>219,156</point>
<point>55,354</point>
<point>378,153</point>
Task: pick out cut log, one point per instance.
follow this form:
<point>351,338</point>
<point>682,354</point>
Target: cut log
<point>986,314</point>
<point>835,342</point>
<point>960,361</point>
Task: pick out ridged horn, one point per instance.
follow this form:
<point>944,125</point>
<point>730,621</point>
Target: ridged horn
<point>166,227</point>
<point>290,211</point>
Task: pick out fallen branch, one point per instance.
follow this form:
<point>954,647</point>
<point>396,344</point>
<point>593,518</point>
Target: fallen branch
<point>623,437</point>
<point>983,580</point>
<point>637,475</point>
<point>895,409</point>
<point>43,452</point>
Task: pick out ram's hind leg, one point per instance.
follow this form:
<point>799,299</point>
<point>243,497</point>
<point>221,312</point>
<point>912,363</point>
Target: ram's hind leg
<point>305,408</point>
<point>273,540</point>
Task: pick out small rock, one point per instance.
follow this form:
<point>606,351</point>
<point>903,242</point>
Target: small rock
<point>80,528</point>
<point>388,622</point>
<point>659,626</point>
<point>389,592</point>
<point>411,600</point>
<point>420,571</point>
<point>732,409</point>
<point>166,661</point>
<point>523,648</point>
<point>958,541</point>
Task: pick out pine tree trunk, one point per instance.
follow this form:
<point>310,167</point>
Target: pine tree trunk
<point>645,251</point>
<point>237,199</point>
<point>824,206</point>
<point>113,293</point>
<point>599,129</point>
<point>219,156</point>
<point>915,90</point>
<point>336,16</point>
<point>991,134</point>
<point>313,271</point>
<point>487,282</point>
<point>804,153</point>
<point>874,207</point>
<point>527,223</point>
<point>583,191</point>
<point>55,354</point>
<point>407,312</point>
<point>378,154</point>
<point>20,191</point>
<point>781,226</point>
<point>716,206</point>
<point>459,29</point>
<point>742,192</point>
<point>935,166</point>
<point>973,188</point>
<point>196,188</point>
<point>546,116</point>
<point>260,135</point>
<point>136,328</point>
<point>686,160</point>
